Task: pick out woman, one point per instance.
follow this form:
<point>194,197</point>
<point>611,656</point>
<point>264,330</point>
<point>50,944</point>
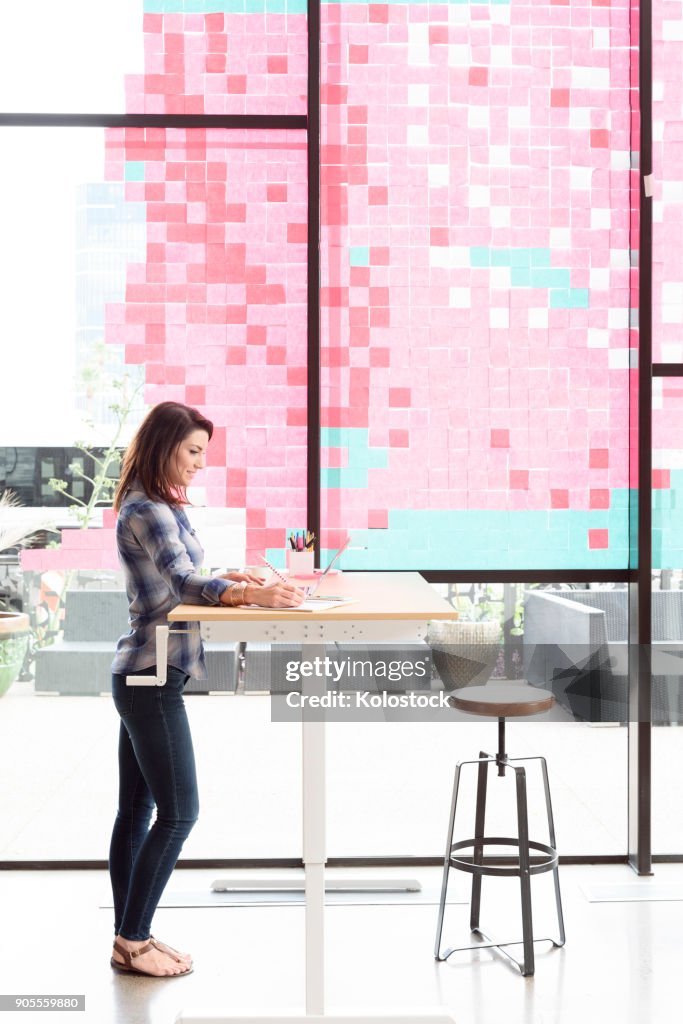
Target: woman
<point>161,555</point>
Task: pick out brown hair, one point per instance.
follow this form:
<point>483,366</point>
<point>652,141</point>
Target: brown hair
<point>149,454</point>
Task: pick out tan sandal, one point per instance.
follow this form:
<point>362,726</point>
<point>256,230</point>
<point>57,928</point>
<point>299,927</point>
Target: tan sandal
<point>129,955</point>
<point>169,949</point>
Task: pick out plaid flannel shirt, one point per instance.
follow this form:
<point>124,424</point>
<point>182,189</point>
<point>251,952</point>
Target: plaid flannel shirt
<point>160,555</point>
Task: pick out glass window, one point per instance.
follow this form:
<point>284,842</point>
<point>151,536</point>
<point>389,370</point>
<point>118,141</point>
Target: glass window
<point>69,236</point>
<point>155,57</point>
<point>477,268</point>
<point>667,206</point>
<point>667,612</point>
<point>177,258</point>
<point>475,302</point>
<point>389,783</point>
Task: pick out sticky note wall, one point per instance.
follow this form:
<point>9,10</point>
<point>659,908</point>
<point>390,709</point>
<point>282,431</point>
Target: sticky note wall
<point>479,225</point>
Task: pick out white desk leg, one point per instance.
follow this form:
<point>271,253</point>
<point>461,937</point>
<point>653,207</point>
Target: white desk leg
<point>313,779</point>
<point>313,784</point>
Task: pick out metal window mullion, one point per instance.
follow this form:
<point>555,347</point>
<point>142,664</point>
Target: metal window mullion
<point>313,418</point>
<point>640,681</point>
<point>259,122</point>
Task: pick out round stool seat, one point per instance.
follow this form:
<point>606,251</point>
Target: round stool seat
<point>502,700</point>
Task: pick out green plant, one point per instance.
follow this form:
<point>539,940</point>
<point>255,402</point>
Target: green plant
<point>517,628</point>
<point>103,482</point>
<point>15,527</point>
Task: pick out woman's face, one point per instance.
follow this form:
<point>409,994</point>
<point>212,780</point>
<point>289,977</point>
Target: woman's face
<point>190,455</point>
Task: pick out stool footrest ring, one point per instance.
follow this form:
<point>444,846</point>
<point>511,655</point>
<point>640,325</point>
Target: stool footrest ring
<point>547,863</point>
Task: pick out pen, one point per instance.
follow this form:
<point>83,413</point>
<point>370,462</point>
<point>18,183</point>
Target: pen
<point>273,569</point>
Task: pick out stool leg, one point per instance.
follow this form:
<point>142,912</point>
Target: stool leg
<point>447,863</point>
<point>524,873</point>
<point>502,756</point>
<point>551,833</point>
<point>478,855</point>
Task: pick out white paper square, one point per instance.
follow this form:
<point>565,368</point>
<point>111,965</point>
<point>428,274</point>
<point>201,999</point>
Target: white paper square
<point>620,258</point>
<point>440,256</point>
<point>478,117</point>
<point>580,117</point>
<point>671,354</point>
<point>597,338</point>
<point>417,135</point>
<point>672,191</point>
<point>580,177</point>
<point>618,319</point>
<point>460,256</point>
<point>418,95</point>
<point>589,77</point>
<point>620,160</point>
<point>560,238</point>
<point>500,217</point>
<point>500,278</point>
<point>460,298</point>
<point>499,156</point>
<point>459,55</point>
<point>618,358</point>
<point>599,279</point>
<point>672,31</point>
<point>480,195</point>
<point>672,314</point>
<point>500,14</point>
<point>418,44</point>
<point>672,293</point>
<point>501,57</point>
<point>459,15</point>
<point>518,117</point>
<point>538,317</point>
<point>438,175</point>
<point>600,217</point>
<point>499,316</point>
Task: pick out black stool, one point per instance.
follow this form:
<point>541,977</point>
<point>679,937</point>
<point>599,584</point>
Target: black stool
<point>501,700</point>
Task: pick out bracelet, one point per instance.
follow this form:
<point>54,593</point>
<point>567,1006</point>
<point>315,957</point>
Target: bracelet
<point>242,588</point>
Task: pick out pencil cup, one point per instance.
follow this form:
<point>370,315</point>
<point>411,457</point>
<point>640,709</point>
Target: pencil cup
<point>300,563</point>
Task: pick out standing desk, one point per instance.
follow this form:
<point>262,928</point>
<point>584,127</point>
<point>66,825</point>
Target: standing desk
<point>387,608</point>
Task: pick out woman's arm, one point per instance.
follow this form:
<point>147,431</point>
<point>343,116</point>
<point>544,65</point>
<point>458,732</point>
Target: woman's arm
<point>157,531</point>
<point>278,594</point>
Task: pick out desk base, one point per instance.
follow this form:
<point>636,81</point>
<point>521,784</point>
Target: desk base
<point>359,885</point>
<point>429,1016</point>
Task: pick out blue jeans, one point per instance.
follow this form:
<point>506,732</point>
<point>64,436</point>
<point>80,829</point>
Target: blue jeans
<point>156,767</point>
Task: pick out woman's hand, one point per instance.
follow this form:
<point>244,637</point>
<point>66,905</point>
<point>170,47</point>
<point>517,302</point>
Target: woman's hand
<point>274,594</point>
<point>242,577</point>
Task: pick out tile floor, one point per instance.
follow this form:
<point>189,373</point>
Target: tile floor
<point>388,792</point>
<point>621,962</point>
